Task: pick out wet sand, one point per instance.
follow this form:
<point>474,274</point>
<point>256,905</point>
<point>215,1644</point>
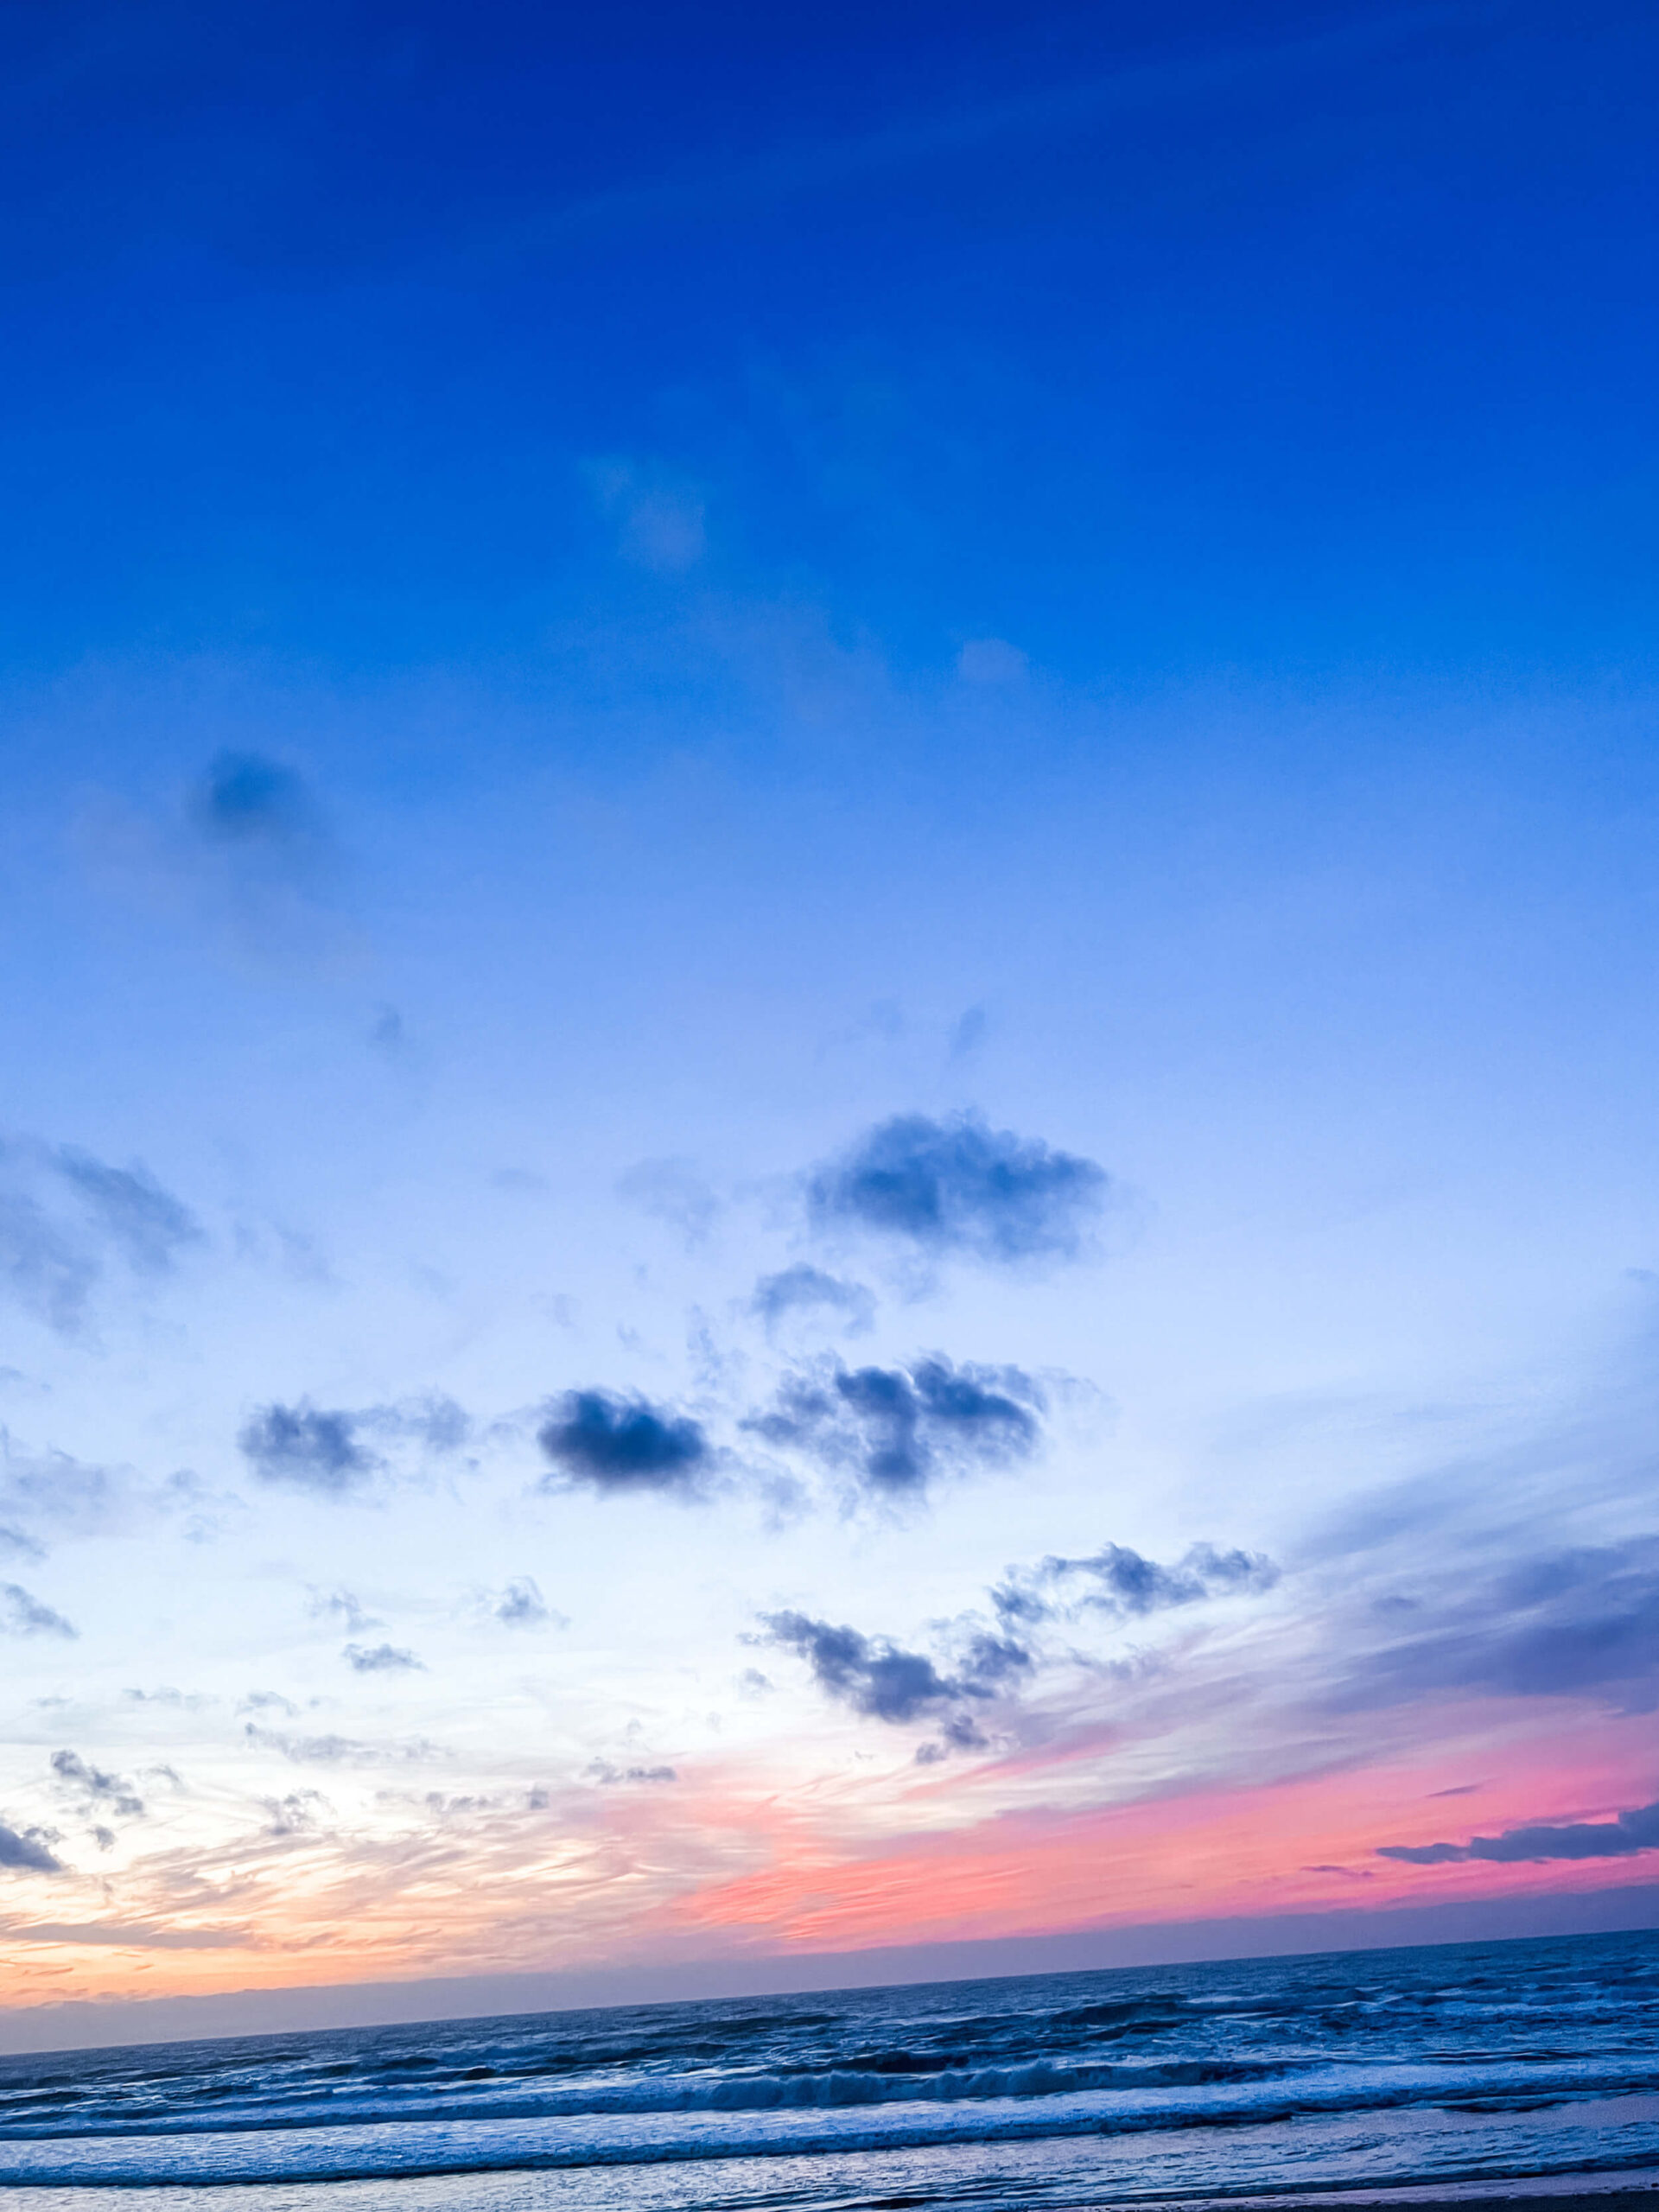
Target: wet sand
<point>1621,2190</point>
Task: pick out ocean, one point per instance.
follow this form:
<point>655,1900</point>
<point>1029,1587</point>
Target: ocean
<point>1439,2067</point>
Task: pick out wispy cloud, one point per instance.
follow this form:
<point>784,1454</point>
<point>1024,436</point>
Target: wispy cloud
<point>247,852</point>
<point>331,1749</point>
<point>94,1789</point>
<point>327,1449</point>
<point>948,132</point>
<point>804,1290</point>
<point>1121,1582</point>
<point>672,1190</point>
<point>381,1659</point>
<point>65,1215</point>
<point>23,1614</point>
<point>891,1429</point>
<point>52,1495</point>
<point>1568,1623</point>
<point>342,1605</point>
<point>305,1447</point>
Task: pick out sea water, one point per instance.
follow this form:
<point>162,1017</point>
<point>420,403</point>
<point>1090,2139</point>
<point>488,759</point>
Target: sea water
<point>1445,2066</point>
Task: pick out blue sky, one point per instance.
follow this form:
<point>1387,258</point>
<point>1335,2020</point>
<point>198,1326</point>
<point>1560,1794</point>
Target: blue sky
<point>614,627</point>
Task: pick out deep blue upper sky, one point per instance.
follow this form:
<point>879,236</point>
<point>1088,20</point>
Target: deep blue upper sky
<point>1277,338</point>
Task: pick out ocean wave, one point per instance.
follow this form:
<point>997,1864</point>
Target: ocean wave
<point>478,2148</point>
<point>833,2089</point>
<point>1191,2093</point>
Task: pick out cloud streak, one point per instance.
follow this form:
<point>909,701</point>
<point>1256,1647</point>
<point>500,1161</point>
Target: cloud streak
<point>1575,1623</point>
<point>64,1214</point>
<point>1118,1581</point>
<point>1620,1838</point>
<point>23,1614</point>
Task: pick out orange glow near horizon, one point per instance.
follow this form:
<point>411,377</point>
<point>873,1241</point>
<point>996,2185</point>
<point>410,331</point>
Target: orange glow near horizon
<point>720,1868</point>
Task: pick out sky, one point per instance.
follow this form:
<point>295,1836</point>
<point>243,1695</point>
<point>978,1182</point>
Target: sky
<point>827,889</point>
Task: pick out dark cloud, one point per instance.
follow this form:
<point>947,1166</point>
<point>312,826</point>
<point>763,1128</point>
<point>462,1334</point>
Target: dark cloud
<point>21,1614</point>
<point>95,1788</point>
<point>809,1290</point>
<point>247,800</point>
<point>25,1852</point>
<point>881,1681</point>
<point>893,1427</point>
<point>64,1213</point>
<point>960,1186</point>
<point>602,1770</point>
<point>616,1444</point>
<point>1569,1624</point>
<point>381,1659</point>
<point>1119,1581</point>
<point>22,1545</point>
<point>1616,1839</point>
<point>307,1448</point>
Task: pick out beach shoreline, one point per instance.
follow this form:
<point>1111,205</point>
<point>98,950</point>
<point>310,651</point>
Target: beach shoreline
<point>1617,2189</point>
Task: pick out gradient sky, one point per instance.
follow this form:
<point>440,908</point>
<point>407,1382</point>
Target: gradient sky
<point>830,871</point>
